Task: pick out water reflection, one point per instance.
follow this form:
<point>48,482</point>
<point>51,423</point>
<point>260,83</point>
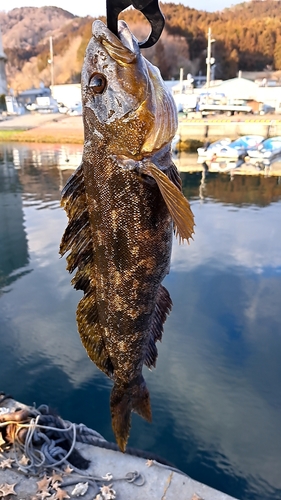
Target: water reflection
<point>63,157</point>
<point>215,393</point>
<point>13,242</point>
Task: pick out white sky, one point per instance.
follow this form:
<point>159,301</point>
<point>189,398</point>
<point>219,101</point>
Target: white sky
<point>98,7</point>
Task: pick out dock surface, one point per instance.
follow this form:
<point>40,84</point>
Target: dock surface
<point>110,474</point>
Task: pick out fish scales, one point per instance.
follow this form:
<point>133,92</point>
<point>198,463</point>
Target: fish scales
<point>123,203</point>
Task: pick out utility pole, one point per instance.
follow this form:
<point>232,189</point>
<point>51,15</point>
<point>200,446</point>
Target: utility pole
<point>181,80</point>
<point>51,62</point>
<point>209,60</point>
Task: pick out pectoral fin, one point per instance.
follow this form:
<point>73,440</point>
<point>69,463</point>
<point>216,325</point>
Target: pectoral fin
<point>176,202</point>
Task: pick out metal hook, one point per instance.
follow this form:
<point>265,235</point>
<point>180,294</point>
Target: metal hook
<point>149,8</point>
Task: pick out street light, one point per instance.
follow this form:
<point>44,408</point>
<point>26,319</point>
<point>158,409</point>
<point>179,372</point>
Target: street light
<point>209,60</point>
<point>51,62</point>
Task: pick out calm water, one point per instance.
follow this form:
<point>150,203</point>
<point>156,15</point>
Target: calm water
<point>216,396</point>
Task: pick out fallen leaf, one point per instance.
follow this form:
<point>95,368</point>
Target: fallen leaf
<point>56,478</point>
<point>107,492</point>
<point>43,494</point>
<point>80,489</point>
<point>149,463</point>
<point>60,494</point>
<point>7,489</point>
<point>6,463</point>
<point>43,484</point>
<point>68,470</point>
<point>55,485</point>
<point>24,460</point>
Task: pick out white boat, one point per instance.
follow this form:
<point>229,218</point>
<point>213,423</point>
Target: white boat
<point>266,152</point>
<point>230,150</point>
<point>208,151</point>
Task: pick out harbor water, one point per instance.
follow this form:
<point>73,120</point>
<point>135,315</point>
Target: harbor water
<point>215,392</point>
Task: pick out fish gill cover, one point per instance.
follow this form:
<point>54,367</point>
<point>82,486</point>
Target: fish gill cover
<point>123,203</point>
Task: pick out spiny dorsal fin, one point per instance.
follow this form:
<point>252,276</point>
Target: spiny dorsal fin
<point>176,202</point>
<point>77,240</point>
<point>162,308</point>
<point>73,200</point>
<point>89,329</point>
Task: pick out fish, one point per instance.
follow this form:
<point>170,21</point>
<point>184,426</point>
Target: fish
<point>124,204</point>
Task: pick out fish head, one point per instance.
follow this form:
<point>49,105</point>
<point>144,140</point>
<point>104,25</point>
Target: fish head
<point>125,102</point>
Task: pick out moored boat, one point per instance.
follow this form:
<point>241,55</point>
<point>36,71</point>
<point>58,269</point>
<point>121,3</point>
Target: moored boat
<point>266,152</point>
<point>226,148</point>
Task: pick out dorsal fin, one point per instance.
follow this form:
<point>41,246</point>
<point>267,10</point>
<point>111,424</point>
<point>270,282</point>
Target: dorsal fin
<point>162,308</point>
<point>90,333</point>
<point>77,240</point>
<point>73,200</point>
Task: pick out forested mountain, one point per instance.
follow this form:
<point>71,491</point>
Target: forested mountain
<point>248,37</point>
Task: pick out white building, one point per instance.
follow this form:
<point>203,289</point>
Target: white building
<point>68,94</point>
<point>3,60</point>
<point>235,89</point>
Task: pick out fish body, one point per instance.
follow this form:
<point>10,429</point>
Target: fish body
<point>123,203</point>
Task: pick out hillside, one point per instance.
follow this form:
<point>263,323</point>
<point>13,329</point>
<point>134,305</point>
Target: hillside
<point>26,41</point>
<point>248,37</point>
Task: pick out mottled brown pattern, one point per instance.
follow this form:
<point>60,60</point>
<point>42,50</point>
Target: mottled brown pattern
<point>120,229</point>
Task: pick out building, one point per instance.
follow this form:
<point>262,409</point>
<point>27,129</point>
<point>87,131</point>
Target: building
<point>3,60</point>
<point>234,91</point>
<point>29,96</point>
<point>68,94</point>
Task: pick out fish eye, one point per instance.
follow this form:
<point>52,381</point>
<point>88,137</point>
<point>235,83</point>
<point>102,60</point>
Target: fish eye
<point>97,82</point>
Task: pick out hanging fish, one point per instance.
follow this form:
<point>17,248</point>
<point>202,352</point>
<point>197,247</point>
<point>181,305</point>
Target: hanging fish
<point>123,203</point>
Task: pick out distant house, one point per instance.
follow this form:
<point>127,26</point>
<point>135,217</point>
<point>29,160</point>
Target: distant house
<point>237,88</point>
<point>68,94</point>
<point>234,91</point>
<point>29,96</point>
<point>242,88</point>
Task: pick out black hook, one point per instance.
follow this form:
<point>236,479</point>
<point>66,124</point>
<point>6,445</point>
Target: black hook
<point>149,8</point>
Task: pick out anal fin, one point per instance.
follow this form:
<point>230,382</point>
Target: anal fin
<point>162,308</point>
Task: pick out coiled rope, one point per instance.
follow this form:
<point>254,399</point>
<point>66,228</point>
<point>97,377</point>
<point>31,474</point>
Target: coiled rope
<point>48,441</point>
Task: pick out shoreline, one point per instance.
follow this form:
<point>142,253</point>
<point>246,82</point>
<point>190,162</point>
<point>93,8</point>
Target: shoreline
<point>58,128</point>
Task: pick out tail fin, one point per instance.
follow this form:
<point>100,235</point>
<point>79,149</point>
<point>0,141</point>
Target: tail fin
<point>123,401</point>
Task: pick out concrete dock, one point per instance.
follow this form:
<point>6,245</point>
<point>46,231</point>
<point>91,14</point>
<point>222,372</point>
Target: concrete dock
<point>236,126</point>
<point>110,474</point>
